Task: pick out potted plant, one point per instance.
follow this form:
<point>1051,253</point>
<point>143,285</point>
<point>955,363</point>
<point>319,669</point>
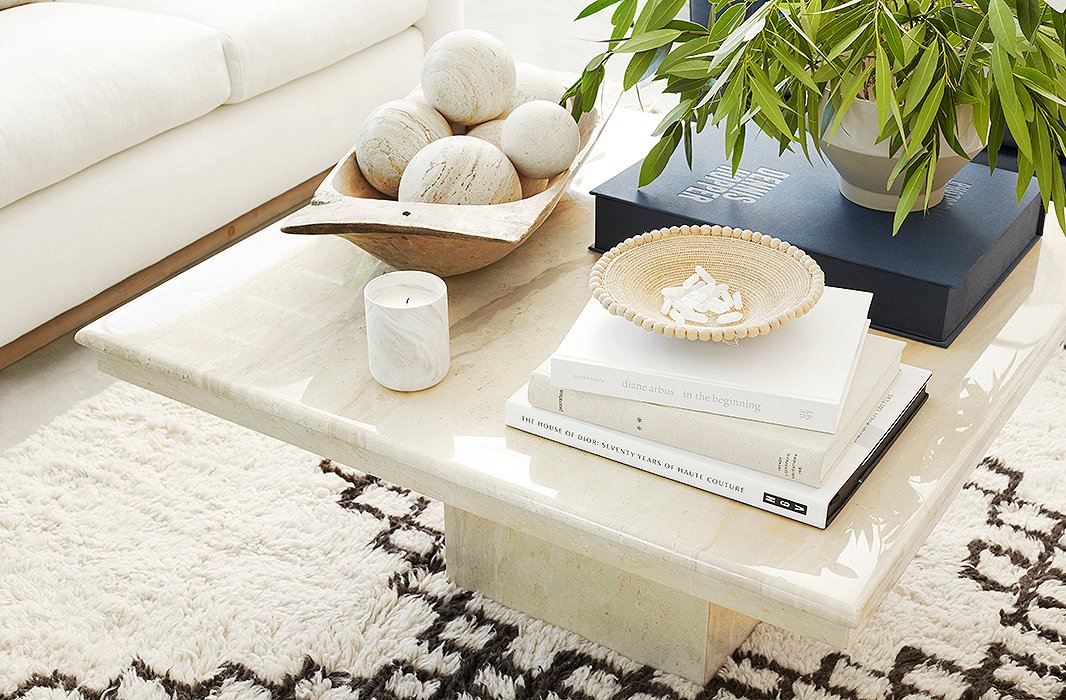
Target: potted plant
<point>897,94</point>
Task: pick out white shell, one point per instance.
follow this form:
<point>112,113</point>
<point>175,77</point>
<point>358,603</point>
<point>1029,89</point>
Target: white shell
<point>468,76</point>
<point>492,132</point>
<point>460,170</point>
<point>391,136</point>
<point>541,139</point>
<point>534,83</point>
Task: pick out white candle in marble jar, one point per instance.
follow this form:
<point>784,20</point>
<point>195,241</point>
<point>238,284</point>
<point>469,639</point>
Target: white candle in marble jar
<point>407,330</point>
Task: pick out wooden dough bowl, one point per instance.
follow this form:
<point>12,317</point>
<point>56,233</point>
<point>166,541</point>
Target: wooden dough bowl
<point>444,239</point>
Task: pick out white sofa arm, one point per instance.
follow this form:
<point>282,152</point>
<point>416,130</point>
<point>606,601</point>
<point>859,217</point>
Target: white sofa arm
<point>442,16</point>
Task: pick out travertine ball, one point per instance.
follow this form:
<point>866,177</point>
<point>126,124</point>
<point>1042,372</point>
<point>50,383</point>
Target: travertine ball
<point>391,136</point>
<point>541,139</point>
<point>532,186</point>
<point>460,170</point>
<point>492,132</point>
<point>418,96</point>
<point>468,76</point>
<point>534,83</point>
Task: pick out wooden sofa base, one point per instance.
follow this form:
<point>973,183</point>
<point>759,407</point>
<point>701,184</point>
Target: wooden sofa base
<point>149,277</point>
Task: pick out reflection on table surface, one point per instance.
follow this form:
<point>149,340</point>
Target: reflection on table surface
<point>275,325</point>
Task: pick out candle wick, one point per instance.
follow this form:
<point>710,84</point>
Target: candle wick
<point>408,300</point>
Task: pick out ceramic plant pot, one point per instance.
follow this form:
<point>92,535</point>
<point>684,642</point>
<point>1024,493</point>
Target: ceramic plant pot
<point>864,166</point>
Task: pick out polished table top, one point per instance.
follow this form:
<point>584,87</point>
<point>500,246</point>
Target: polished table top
<point>270,334</point>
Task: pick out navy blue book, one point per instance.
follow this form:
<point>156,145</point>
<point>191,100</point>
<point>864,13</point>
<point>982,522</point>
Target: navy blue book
<point>928,281</point>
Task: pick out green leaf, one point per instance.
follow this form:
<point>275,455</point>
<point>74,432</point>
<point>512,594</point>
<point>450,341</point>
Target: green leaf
<point>696,69</point>
<point>595,62</point>
<point>968,58</point>
<point>665,10</point>
<point>595,7</point>
<point>848,93</point>
<point>768,101</point>
<point>641,23</point>
<point>844,44</point>
<point>659,155</point>
<point>967,23</point>
<point>723,80</point>
<point>926,115</point>
<point>686,27</point>
<point>1044,159</point>
<point>900,166</point>
<point>701,118</point>
<point>678,114</point>
<point>727,22</point>
<point>921,78</point>
<point>995,130</point>
<point>1059,22</point>
<point>637,68</point>
<point>930,175</point>
<point>794,68</point>
<point>1058,197</point>
<point>622,19</point>
<point>1039,83</point>
<point>912,186</point>
<point>650,40</point>
<point>1003,27</point>
<point>1025,176</point>
<point>748,30</point>
<point>882,87</point>
<point>738,151</point>
<point>685,50</point>
<point>1029,12</point>
<point>892,35</point>
<point>590,87</point>
<point>912,42</point>
<point>687,138</point>
<point>1008,98</point>
<point>949,127</point>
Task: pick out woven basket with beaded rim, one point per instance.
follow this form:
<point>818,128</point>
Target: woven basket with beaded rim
<point>777,281</point>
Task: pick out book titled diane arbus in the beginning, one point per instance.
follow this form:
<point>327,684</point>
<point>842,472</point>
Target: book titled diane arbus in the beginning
<point>799,375</point>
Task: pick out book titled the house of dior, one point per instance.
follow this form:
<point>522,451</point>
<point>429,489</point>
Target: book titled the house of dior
<point>797,375</point>
<point>813,506</point>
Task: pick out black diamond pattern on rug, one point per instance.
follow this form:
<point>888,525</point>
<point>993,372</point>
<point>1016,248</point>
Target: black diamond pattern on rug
<point>470,650</point>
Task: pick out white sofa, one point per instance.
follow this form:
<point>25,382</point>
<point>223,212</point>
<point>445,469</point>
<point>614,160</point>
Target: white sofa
<point>131,128</point>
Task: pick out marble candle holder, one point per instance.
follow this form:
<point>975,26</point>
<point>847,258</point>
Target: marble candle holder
<point>407,330</point>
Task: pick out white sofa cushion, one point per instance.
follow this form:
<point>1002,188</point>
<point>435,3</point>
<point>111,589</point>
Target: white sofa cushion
<point>271,42</point>
<point>62,245</point>
<point>81,83</point>
<point>5,4</point>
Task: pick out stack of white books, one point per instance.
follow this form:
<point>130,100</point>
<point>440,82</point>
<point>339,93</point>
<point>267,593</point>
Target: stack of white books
<point>791,422</point>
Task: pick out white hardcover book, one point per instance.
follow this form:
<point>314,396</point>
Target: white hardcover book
<point>813,506</point>
<point>797,375</point>
<point>801,455</point>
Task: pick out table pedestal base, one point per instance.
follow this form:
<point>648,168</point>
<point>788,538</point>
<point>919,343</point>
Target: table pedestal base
<point>641,619</point>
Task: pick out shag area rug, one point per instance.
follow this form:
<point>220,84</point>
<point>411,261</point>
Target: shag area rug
<point>148,550</point>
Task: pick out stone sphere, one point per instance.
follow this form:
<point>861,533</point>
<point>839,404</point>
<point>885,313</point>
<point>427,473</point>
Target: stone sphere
<point>541,139</point>
<point>460,170</point>
<point>532,186</point>
<point>534,83</point>
<point>493,132</point>
<point>391,136</point>
<point>468,76</point>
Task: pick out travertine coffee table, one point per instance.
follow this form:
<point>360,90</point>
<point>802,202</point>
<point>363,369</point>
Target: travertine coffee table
<point>269,334</point>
